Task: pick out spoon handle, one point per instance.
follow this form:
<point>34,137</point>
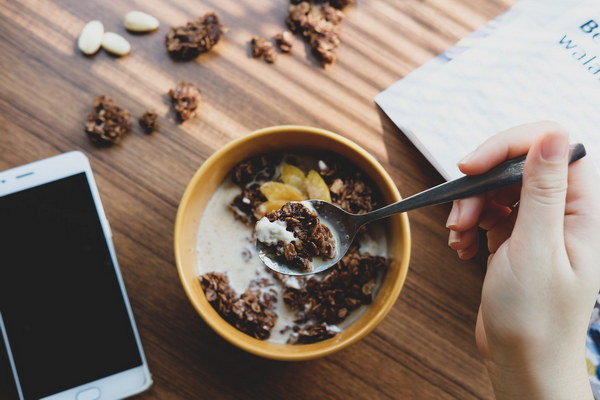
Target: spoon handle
<point>507,173</point>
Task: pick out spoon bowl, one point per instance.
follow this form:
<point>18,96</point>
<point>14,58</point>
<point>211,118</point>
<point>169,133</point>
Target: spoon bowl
<point>344,225</point>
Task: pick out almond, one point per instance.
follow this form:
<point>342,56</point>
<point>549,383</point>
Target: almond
<point>115,44</point>
<point>137,21</point>
<point>90,37</point>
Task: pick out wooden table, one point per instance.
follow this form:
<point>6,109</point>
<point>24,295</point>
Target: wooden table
<point>424,349</point>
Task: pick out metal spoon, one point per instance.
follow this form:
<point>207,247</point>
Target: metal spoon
<point>345,225</point>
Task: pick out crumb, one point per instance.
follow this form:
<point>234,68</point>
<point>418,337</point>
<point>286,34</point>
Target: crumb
<point>283,41</point>
<point>186,98</point>
<point>261,48</point>
<point>149,121</point>
<point>257,44</point>
<point>269,53</point>
<point>196,37</point>
<point>108,123</point>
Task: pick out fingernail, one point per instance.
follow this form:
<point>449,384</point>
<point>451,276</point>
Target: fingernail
<point>555,147</point>
<point>453,216</point>
<point>453,238</point>
<point>466,158</point>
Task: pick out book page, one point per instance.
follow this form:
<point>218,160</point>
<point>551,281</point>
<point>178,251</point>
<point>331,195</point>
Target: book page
<point>524,72</point>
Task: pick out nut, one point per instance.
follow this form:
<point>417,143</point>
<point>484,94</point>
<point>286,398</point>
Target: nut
<point>90,37</point>
<point>115,44</point>
<point>137,21</point>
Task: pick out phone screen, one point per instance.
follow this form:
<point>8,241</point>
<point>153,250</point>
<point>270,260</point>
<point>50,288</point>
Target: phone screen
<point>64,315</point>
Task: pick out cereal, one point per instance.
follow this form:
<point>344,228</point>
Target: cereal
<point>319,23</point>
<point>90,38</point>
<point>149,121</point>
<point>312,239</point>
<point>283,41</point>
<point>251,313</point>
<point>115,44</point>
<point>138,21</point>
<point>305,309</point>
<point>257,45</point>
<point>196,37</point>
<point>108,123</point>
<point>261,48</point>
<point>185,98</point>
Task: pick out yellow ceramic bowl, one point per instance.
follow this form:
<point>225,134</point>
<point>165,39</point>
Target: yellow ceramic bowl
<point>277,140</point>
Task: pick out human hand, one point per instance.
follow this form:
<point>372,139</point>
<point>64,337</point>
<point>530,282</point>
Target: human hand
<point>543,271</point>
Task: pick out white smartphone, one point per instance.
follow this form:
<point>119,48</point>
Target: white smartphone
<point>66,326</point>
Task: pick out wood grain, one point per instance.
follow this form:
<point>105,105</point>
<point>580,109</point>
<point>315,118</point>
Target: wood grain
<point>424,349</point>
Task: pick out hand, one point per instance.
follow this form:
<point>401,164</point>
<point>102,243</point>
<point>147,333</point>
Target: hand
<point>543,271</point>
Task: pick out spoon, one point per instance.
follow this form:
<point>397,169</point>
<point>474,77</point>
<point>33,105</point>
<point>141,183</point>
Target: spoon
<point>345,225</point>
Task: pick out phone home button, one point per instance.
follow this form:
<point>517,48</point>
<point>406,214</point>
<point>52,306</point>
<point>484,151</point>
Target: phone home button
<point>89,394</point>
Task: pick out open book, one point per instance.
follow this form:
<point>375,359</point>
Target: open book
<point>536,62</point>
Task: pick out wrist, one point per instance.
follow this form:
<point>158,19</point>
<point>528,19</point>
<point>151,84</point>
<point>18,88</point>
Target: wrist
<point>548,378</point>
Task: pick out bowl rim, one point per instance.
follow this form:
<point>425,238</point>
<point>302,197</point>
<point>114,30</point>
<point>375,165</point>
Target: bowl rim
<point>310,352</point>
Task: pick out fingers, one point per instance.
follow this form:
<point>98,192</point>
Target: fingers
<point>544,191</point>
<point>465,213</point>
<point>508,144</point>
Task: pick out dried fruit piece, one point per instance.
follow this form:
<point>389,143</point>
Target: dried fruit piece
<point>280,191</point>
<point>293,176</point>
<point>90,37</point>
<point>115,44</point>
<point>268,206</point>
<point>137,21</point>
<point>316,187</point>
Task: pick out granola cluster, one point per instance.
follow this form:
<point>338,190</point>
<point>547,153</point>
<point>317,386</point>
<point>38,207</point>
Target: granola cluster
<point>194,38</point>
<point>313,239</point>
<point>318,303</point>
<point>261,48</point>
<point>149,121</point>
<point>319,23</point>
<point>251,313</point>
<point>186,98</point>
<point>249,175</point>
<point>346,287</point>
<point>108,123</point>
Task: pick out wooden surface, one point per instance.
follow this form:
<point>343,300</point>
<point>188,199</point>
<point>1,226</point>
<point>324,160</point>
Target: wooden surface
<point>424,349</point>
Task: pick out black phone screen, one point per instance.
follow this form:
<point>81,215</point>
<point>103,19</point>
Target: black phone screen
<point>64,314</point>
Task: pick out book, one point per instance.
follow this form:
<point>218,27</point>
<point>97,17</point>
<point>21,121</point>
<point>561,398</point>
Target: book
<point>538,61</point>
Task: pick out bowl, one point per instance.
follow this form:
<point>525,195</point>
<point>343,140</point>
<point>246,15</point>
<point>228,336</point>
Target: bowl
<point>285,139</point>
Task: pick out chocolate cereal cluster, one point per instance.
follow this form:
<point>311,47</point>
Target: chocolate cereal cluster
<point>313,238</point>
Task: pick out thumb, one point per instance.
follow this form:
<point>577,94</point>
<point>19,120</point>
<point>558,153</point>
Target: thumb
<point>543,196</point>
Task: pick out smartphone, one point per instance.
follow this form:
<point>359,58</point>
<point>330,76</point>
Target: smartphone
<point>66,326</point>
